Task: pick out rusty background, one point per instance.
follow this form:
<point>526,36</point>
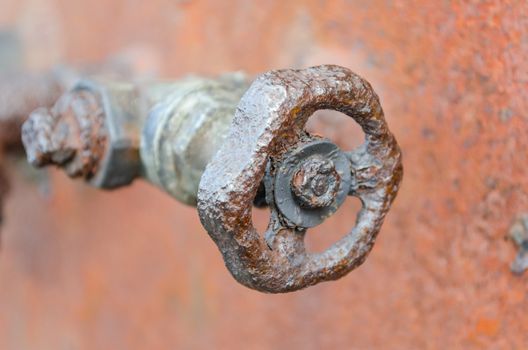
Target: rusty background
<point>133,269</point>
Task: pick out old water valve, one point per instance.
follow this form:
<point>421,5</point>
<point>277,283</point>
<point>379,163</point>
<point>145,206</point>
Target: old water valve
<point>225,147</point>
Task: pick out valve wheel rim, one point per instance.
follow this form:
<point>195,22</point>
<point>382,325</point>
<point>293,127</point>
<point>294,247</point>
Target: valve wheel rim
<point>269,120</point>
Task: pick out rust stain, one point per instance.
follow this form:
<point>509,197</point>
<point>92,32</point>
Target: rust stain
<point>487,327</point>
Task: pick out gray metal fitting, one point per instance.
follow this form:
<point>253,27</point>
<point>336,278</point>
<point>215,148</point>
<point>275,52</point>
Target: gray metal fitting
<point>184,131</point>
<point>123,113</point>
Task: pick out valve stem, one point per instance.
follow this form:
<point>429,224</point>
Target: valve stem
<point>71,135</point>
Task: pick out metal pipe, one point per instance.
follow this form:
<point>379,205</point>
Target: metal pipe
<point>110,133</point>
<point>183,132</point>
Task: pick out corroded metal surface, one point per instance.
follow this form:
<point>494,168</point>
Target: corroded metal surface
<point>70,135</point>
<point>269,120</point>
<point>315,183</point>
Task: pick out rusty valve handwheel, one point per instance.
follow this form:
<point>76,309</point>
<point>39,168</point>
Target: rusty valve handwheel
<point>306,179</point>
<point>110,133</point>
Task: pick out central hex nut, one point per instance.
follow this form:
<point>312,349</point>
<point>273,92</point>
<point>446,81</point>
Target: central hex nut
<point>316,182</point>
<point>311,183</point>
